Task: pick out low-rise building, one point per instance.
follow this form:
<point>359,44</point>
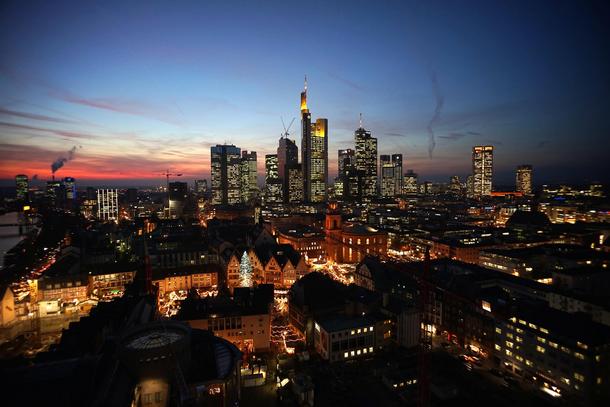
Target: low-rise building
<point>244,319</point>
<point>204,276</point>
<point>340,338</point>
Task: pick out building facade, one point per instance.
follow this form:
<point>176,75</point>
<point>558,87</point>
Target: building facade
<point>391,175</point>
<point>314,154</point>
<point>226,180</point>
<point>108,204</point>
<point>482,170</point>
<point>523,179</point>
<point>366,162</point>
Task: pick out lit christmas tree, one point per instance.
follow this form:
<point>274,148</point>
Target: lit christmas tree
<point>245,271</point>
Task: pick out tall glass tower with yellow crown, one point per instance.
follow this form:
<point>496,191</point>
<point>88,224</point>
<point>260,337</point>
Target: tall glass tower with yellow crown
<point>314,153</point>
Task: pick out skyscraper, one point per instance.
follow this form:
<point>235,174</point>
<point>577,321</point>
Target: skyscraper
<point>226,181</point>
<point>345,159</point>
<point>366,161</point>
<point>273,185</point>
<point>314,153</point>
<point>70,186</point>
<point>178,192</point>
<point>410,183</point>
<point>201,187</point>
<point>108,204</point>
<point>455,186</point>
<point>391,175</point>
<point>482,170</point>
<point>295,183</point>
<point>287,157</point>
<point>21,184</point>
<point>523,181</point>
<point>54,194</point>
<point>248,176</point>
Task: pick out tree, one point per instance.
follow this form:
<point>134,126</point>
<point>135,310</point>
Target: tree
<point>245,271</point>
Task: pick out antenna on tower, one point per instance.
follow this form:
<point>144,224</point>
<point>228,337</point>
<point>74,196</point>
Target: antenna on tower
<point>306,83</point>
<point>360,120</point>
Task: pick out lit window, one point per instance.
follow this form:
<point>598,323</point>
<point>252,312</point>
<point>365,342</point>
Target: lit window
<point>582,345</point>
<point>498,330</point>
<point>519,358</point>
<point>371,328</point>
<point>579,356</point>
<point>540,349</point>
<point>522,322</point>
<point>519,330</point>
<point>352,353</point>
<point>508,352</point>
<point>519,339</point>
<point>529,362</point>
<point>553,344</point>
<point>509,335</point>
<point>365,329</point>
<point>498,347</point>
<point>544,330</point>
<point>533,326</point>
<point>353,332</point>
<point>509,344</point>
<point>541,339</point>
<point>364,350</point>
<point>598,380</point>
<point>345,354</point>
<point>579,377</point>
<point>358,352</point>
<point>566,350</point>
<point>370,349</point>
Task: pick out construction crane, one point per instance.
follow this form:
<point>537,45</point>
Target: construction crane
<point>167,175</point>
<point>286,133</point>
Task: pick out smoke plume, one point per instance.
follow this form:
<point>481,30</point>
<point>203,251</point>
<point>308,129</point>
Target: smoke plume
<point>440,100</point>
<point>57,164</point>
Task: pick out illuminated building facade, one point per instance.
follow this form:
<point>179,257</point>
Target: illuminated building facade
<point>455,186</point>
<point>568,359</point>
<point>314,153</point>
<point>178,192</point>
<point>226,160</point>
<point>366,162</point>
<point>70,187</point>
<point>21,184</point>
<point>391,175</point>
<point>523,179</point>
<point>273,184</point>
<point>482,170</point>
<point>344,338</point>
<point>108,204</point>
<point>53,193</point>
<point>410,183</point>
<point>295,183</point>
<point>201,187</point>
<point>248,176</point>
<point>346,158</point>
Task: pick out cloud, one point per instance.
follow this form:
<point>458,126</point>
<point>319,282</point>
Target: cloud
<point>33,116</point>
<point>62,133</point>
<point>119,105</point>
<point>454,136</point>
<point>395,134</point>
<point>346,82</point>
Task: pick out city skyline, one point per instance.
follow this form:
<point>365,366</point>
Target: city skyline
<point>163,97</point>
